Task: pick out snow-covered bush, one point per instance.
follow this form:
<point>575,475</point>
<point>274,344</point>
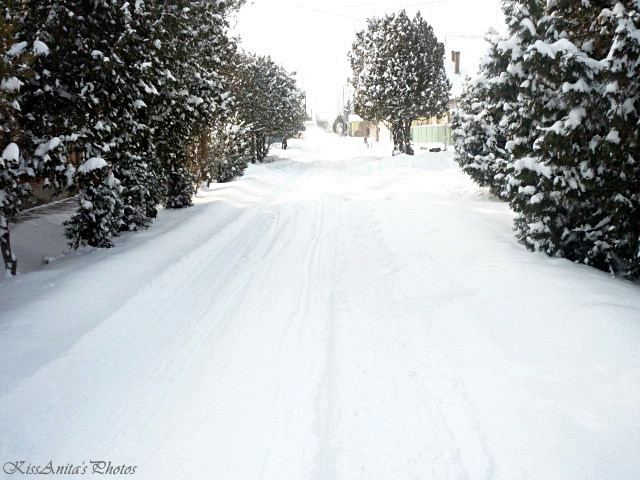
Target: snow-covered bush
<point>617,172</point>
<point>267,100</point>
<point>100,210</point>
<point>231,151</point>
<point>570,132</point>
<point>480,121</point>
<point>180,188</point>
<point>130,82</point>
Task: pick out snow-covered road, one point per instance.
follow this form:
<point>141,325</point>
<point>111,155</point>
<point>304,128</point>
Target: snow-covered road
<point>338,315</point>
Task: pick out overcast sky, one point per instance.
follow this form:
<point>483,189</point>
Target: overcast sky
<point>313,37</point>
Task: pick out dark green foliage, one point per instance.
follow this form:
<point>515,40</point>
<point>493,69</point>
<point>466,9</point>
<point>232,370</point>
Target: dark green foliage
<point>181,188</point>
<point>617,183</point>
<point>194,53</point>
<point>478,123</point>
<point>569,129</point>
<point>99,215</point>
<point>24,154</point>
<point>555,198</point>
<point>267,101</point>
<point>131,84</point>
<point>231,151</point>
<point>139,88</point>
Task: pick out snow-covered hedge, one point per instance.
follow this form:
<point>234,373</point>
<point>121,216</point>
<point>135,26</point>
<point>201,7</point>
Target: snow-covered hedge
<point>551,125</point>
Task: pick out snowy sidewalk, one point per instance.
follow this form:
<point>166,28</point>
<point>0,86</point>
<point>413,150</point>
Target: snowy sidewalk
<point>336,315</point>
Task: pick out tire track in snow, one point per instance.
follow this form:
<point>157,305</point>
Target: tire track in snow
<point>368,363</point>
<point>224,254</point>
<point>326,402</point>
<point>233,255</point>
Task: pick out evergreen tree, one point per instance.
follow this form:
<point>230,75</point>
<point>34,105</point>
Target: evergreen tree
<point>100,210</point>
<point>231,151</point>
<point>554,202</point>
<point>557,97</point>
<point>615,233</point>
<point>479,122</point>
<point>85,92</point>
<point>221,154</point>
<point>192,44</point>
<point>126,85</point>
<point>22,154</point>
<point>13,64</point>
<point>267,101</point>
<point>137,165</point>
<point>497,118</point>
<point>575,174</point>
<point>398,74</point>
<point>181,188</point>
<point>522,113</point>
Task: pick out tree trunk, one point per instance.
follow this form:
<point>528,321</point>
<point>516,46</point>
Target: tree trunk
<point>261,148</point>
<point>401,132</point>
<point>397,142</point>
<point>10,262</point>
<point>408,148</point>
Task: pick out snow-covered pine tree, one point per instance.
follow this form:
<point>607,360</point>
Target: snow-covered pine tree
<point>252,96</point>
<point>100,211</point>
<point>180,188</point>
<point>616,179</point>
<point>231,150</point>
<point>479,128</point>
<point>192,42</point>
<point>136,164</point>
<point>554,202</point>
<point>522,112</point>
<point>13,65</point>
<point>492,124</point>
<point>267,100</point>
<point>222,153</point>
<point>289,107</point>
<point>398,74</point>
<point>23,155</point>
<point>82,93</point>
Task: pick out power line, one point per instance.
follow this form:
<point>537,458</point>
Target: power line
<point>367,11</point>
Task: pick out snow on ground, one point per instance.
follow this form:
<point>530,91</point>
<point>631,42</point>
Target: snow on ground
<point>335,314</point>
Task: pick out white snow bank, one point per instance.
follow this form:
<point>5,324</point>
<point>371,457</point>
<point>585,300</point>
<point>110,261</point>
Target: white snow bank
<point>337,313</point>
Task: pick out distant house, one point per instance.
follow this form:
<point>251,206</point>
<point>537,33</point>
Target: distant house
<point>357,126</point>
<point>454,74</point>
<point>462,62</point>
<point>375,131</point>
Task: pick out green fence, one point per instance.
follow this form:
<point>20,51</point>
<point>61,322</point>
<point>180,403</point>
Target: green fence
<point>432,134</point>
